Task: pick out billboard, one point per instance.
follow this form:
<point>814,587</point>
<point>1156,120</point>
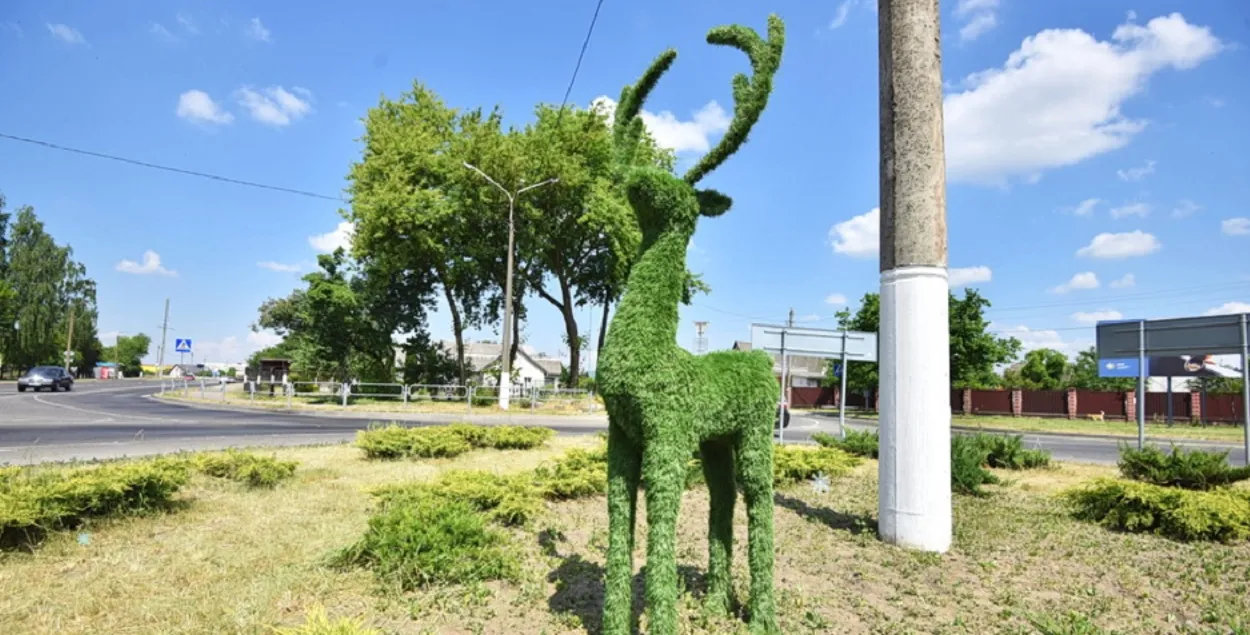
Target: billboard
<point>1194,365</point>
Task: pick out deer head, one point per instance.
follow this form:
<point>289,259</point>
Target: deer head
<point>663,202</point>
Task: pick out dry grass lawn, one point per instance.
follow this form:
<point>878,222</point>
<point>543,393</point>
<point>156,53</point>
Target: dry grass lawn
<point>238,561</point>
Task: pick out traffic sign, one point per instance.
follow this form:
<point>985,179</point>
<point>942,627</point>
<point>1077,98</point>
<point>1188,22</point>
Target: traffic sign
<point>182,345</point>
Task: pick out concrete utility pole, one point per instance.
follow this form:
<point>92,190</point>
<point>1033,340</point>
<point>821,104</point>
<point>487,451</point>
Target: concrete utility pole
<point>69,339</point>
<point>160,357</point>
<point>914,507</point>
<point>505,352</point>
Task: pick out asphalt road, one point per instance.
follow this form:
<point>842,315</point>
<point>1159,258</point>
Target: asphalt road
<point>100,420</point>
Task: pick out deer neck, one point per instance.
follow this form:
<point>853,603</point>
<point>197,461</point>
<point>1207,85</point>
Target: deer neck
<point>646,318</point>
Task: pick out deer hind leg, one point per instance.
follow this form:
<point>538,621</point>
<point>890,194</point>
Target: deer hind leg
<point>718,470</point>
<point>624,472</point>
<point>755,475</point>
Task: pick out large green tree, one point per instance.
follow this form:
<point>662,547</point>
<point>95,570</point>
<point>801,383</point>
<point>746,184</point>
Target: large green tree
<point>1042,369</point>
<point>36,274</point>
<point>974,350</point>
<point>328,326</point>
<point>128,352</point>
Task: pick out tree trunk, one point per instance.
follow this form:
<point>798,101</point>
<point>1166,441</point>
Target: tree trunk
<point>458,328</point>
<point>570,329</point>
<point>603,326</point>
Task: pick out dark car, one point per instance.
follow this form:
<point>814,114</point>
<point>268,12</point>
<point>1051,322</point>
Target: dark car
<point>783,415</point>
<point>52,378</point>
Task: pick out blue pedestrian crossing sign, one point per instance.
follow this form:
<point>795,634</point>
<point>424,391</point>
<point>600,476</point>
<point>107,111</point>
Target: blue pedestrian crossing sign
<point>182,345</point>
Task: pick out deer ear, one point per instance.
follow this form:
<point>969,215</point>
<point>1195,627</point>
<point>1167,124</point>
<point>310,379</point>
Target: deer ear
<point>712,203</point>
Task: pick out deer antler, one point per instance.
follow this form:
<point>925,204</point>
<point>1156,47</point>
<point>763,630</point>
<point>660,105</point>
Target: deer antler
<point>750,95</point>
<point>627,130</point>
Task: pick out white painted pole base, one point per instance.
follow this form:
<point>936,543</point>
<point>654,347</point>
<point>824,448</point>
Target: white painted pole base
<point>914,503</point>
<point>505,388</point>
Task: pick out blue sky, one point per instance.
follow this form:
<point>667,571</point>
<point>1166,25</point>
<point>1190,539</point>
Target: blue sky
<point>1096,151</point>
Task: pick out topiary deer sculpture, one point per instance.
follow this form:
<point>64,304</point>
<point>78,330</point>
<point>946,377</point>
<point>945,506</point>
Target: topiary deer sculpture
<point>664,403</point>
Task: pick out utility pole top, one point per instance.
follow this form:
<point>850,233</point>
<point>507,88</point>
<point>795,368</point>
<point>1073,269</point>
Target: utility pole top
<point>791,321</point>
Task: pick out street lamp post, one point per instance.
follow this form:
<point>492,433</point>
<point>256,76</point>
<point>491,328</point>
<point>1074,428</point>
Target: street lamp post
<point>505,358</point>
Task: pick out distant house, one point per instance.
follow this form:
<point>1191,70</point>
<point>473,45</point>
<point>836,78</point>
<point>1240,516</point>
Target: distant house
<point>804,371</point>
<point>530,368</point>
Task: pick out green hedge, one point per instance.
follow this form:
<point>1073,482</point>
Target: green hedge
<point>792,463</point>
<point>38,500</point>
<point>394,441</point>
<point>247,468</point>
<point>1221,514</point>
<point>860,443</point>
<point>1196,470</point>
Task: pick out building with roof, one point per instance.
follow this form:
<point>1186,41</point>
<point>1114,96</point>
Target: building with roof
<point>530,369</point>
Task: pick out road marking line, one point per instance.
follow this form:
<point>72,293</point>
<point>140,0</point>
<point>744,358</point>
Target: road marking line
<point>106,414</point>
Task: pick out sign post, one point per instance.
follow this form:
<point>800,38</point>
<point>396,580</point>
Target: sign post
<point>1177,347</point>
<point>847,346</point>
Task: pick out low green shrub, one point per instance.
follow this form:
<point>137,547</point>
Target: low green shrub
<point>508,500</point>
<point>578,474</point>
<point>37,500</point>
<point>318,623</point>
<point>860,443</point>
<point>1008,452</point>
<point>395,441</point>
<point>792,463</point>
<point>969,457</point>
<point>1182,514</point>
<point>414,542</point>
<point>1188,469</point>
<point>247,468</point>
<point>517,437</point>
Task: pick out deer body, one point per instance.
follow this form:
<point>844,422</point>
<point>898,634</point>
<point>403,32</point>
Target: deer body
<point>663,402</point>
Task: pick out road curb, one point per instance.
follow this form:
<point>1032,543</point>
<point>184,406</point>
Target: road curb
<point>1069,435</point>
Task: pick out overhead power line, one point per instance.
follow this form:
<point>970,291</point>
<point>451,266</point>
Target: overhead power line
<point>585,43</point>
<point>167,168</point>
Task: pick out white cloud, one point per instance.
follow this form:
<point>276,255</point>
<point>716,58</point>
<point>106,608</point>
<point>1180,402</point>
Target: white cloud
<point>275,105</point>
<point>197,105</point>
<point>1083,280</point>
<point>277,266</point>
<point>66,33</point>
<point>1130,209</point>
<point>1239,226</point>
<point>840,14</point>
<point>964,276</point>
<point>161,32</point>
<point>859,237</point>
<point>1137,174</point>
<point>108,338</point>
<point>1215,102</point>
<point>1058,98</point>
<point>151,265</point>
<point>1094,317</point>
<point>1125,282</point>
<point>1185,208</point>
<point>263,338</point>
<point>835,299</point>
<point>1086,207</point>
<point>1229,308</point>
<point>1031,339</point>
<point>978,16</point>
<point>329,241</point>
<point>256,30</point>
<point>672,133</point>
<point>187,23</point>
<point>1122,245</point>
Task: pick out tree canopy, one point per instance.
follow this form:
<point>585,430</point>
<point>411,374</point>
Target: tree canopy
<point>975,352</point>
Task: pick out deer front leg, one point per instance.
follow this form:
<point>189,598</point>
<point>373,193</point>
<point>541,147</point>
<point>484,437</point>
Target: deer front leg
<point>664,477</point>
<point>624,471</point>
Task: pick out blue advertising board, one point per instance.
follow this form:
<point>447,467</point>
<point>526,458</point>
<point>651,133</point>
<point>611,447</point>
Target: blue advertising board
<point>1121,367</point>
